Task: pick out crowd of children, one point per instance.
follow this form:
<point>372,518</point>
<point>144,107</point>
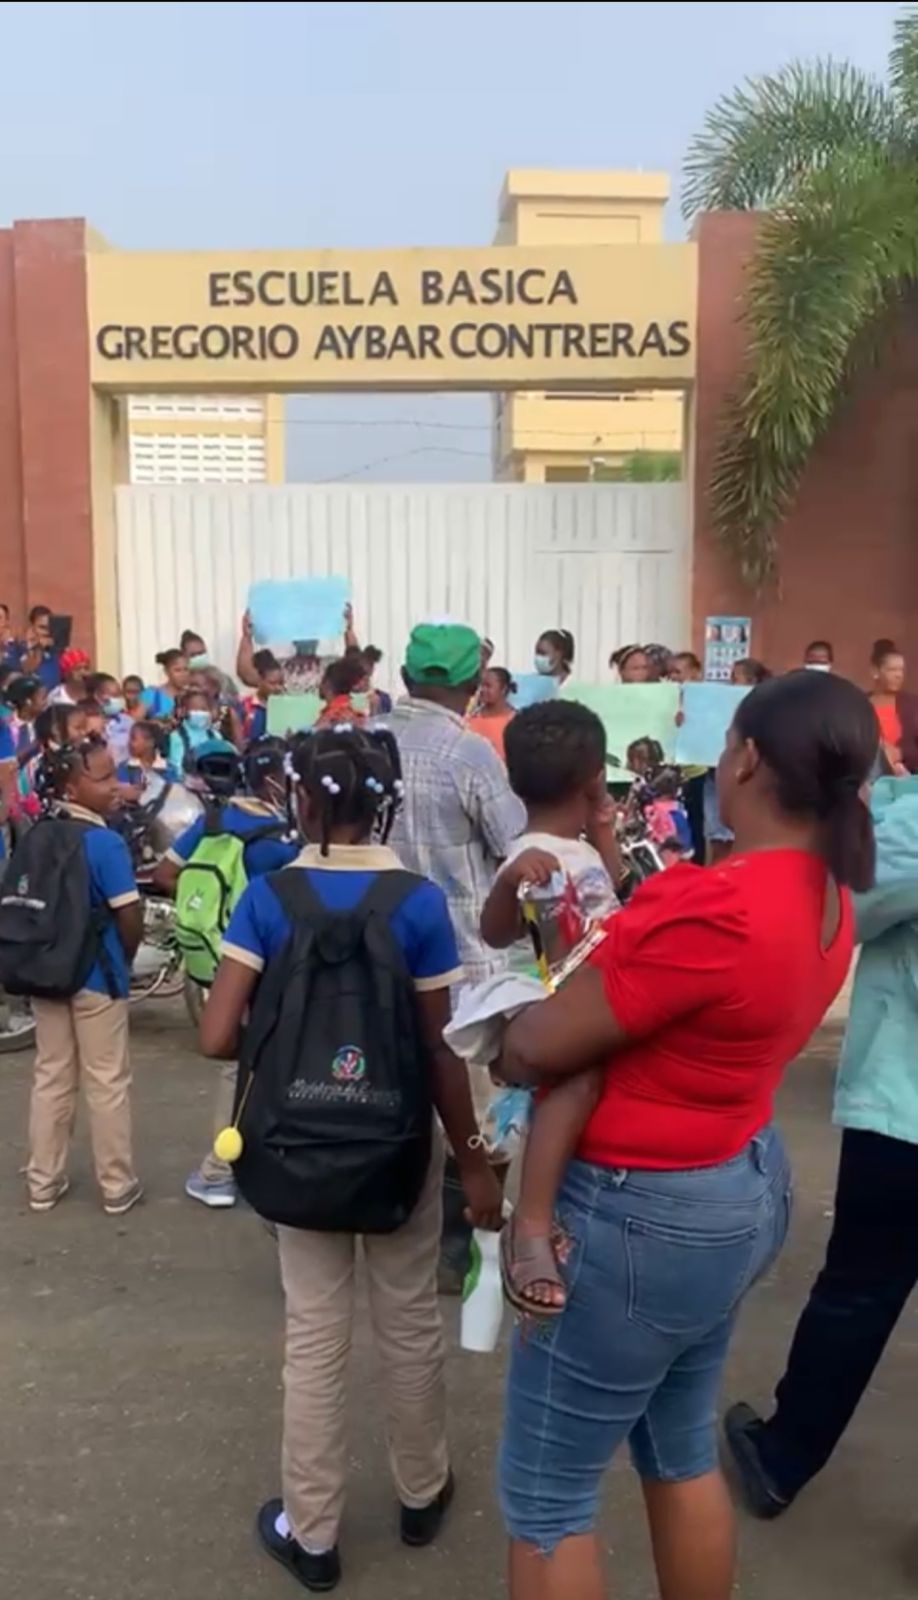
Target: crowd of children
<point>299,920</point>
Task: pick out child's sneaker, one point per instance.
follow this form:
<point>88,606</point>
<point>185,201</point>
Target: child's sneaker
<point>48,1202</point>
<point>124,1202</point>
<point>220,1196</point>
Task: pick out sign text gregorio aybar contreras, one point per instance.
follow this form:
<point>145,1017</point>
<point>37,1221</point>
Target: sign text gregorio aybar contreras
<point>438,319</point>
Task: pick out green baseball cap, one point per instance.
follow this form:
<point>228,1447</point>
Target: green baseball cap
<point>447,653</point>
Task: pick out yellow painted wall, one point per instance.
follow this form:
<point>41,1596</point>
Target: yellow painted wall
<point>542,207</point>
<point>275,439</point>
<point>106,463</point>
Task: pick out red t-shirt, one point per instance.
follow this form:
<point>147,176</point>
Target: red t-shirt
<point>718,976</point>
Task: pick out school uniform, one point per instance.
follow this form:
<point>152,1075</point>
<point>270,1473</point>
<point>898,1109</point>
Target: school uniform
<point>48,670</point>
<point>240,817</point>
<point>254,719</point>
<point>158,701</point>
<point>87,1037</point>
<point>137,774</point>
<point>318,1268</point>
<point>118,735</point>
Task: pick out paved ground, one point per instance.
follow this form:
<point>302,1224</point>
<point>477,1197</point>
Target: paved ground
<point>139,1395</point>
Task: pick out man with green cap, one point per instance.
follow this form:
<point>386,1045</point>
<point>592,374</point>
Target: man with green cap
<point>457,820</point>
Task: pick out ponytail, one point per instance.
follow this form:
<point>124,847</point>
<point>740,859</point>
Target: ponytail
<point>850,845</point>
<point>818,735</point>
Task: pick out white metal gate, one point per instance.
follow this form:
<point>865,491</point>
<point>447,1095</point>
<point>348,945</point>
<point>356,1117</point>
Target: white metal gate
<point>611,562</point>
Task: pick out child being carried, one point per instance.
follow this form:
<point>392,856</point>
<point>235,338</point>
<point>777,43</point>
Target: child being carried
<point>556,762</point>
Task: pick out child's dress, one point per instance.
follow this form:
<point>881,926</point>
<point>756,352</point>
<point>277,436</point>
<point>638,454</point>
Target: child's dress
<point>580,897</point>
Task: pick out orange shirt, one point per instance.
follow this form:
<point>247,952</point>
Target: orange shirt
<point>492,729</point>
<point>339,709</point>
<point>890,723</point>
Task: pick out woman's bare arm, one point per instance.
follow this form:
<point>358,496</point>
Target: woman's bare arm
<point>565,1034</point>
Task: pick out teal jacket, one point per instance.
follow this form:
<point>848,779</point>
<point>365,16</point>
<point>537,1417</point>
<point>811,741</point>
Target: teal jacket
<point>877,1087</point>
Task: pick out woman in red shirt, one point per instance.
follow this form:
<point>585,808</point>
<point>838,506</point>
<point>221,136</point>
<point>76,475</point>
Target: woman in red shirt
<point>896,711</point>
<point>708,983</point>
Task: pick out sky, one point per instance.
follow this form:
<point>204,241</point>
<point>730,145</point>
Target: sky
<point>183,126</point>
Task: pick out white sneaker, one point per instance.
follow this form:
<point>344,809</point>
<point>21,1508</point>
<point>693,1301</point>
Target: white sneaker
<point>52,1200</point>
<point>125,1202</point>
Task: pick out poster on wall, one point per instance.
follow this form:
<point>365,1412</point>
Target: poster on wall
<point>726,640</point>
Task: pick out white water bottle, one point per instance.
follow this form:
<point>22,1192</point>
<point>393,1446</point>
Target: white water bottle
<point>482,1295</point>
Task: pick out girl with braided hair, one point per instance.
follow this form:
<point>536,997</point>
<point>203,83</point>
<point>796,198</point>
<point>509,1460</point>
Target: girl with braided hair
<point>348,786</point>
<point>86,1036</point>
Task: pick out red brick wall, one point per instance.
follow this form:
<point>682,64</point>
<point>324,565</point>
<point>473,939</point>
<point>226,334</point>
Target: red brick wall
<point>12,557</point>
<point>848,550</point>
<point>52,344</point>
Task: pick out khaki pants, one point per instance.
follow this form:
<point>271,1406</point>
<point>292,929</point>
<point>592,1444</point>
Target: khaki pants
<point>85,1037</point>
<point>318,1276</point>
<point>213,1170</point>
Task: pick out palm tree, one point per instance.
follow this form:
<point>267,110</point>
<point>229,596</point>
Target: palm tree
<point>833,156</point>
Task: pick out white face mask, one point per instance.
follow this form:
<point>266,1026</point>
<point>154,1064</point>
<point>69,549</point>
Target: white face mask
<point>817,666</point>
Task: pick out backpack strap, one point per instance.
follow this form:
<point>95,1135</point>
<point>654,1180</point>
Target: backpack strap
<point>213,824</point>
<point>388,890</point>
<point>297,895</point>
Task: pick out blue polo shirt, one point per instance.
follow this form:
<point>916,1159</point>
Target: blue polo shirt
<point>48,670</point>
<point>134,772</point>
<point>158,702</point>
<point>259,927</point>
<point>240,818</point>
<point>112,884</point>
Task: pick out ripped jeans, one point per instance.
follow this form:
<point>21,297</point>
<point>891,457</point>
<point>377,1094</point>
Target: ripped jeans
<point>658,1264</point>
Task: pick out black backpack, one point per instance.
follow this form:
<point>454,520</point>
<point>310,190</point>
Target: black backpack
<point>50,933</point>
<point>334,1084</point>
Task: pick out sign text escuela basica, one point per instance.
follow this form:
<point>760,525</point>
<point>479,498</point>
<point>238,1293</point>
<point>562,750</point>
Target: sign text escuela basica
<point>527,313</point>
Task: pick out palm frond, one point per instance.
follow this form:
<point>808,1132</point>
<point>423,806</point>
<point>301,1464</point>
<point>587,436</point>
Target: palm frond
<point>759,141</point>
<point>903,65</point>
<point>829,262</point>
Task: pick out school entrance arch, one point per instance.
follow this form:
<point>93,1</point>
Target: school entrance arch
<point>83,324</point>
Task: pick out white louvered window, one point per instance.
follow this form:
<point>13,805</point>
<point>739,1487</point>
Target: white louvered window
<point>248,408</point>
<point>197,458</point>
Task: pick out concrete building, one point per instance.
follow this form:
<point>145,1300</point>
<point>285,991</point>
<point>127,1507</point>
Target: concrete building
<point>582,435</point>
<point>205,438</point>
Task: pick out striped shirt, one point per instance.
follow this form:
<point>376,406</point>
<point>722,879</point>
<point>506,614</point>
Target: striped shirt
<point>457,820</point>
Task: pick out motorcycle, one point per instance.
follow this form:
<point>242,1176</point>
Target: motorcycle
<point>149,826</point>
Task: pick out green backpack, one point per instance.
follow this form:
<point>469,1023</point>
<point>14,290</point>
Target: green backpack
<point>209,886</point>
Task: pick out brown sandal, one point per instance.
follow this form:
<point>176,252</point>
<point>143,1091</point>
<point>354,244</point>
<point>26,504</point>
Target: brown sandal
<point>525,1263</point>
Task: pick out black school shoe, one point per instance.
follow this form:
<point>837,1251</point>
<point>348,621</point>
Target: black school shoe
<point>421,1526</point>
<point>742,1429</point>
<point>318,1573</point>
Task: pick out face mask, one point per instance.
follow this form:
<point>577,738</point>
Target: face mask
<point>360,702</point>
<point>196,663</point>
<point>817,666</point>
<point>113,706</point>
<point>543,664</point>
<point>198,719</point>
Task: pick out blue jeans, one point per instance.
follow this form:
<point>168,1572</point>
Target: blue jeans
<point>657,1267</point>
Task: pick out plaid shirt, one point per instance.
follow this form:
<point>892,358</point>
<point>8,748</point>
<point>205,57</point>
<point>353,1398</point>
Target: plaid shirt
<point>457,819</point>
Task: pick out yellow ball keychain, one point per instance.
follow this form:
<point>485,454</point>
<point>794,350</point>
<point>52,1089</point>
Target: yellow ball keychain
<point>229,1143</point>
